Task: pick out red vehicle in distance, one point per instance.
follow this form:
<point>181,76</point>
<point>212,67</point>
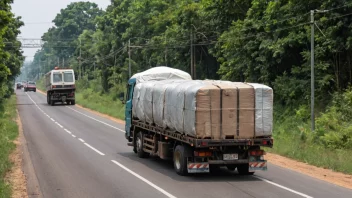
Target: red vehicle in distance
<point>30,86</point>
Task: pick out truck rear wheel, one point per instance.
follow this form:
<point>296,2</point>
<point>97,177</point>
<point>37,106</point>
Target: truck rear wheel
<point>243,169</point>
<point>73,102</point>
<point>180,161</point>
<point>139,146</point>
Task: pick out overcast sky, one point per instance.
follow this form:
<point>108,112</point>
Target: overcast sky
<point>38,14</point>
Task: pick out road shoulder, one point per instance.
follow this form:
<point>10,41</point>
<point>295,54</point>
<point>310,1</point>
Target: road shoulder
<point>30,182</point>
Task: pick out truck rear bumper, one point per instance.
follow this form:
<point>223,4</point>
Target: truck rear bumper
<point>258,165</point>
<point>227,162</point>
<point>198,167</point>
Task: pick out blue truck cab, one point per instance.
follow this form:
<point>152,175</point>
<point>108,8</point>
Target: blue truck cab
<point>128,108</point>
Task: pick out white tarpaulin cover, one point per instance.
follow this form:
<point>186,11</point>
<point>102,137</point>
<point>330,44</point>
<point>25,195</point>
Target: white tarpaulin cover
<point>193,107</point>
<point>161,73</point>
<point>263,109</point>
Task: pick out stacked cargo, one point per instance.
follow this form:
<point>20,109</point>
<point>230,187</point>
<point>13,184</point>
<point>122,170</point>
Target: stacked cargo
<point>204,109</point>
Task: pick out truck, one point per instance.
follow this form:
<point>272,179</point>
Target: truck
<point>60,86</point>
<point>162,131</point>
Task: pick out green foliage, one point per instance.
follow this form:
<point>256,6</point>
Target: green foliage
<point>8,133</point>
<point>328,146</point>
<point>10,54</point>
<point>92,98</point>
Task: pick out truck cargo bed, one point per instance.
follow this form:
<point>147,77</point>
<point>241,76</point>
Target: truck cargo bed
<point>199,143</point>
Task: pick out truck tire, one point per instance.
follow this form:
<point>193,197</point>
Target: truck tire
<point>231,167</point>
<point>180,161</point>
<point>47,98</point>
<point>243,169</point>
<point>139,146</point>
<point>52,103</point>
<point>73,102</point>
<point>214,169</point>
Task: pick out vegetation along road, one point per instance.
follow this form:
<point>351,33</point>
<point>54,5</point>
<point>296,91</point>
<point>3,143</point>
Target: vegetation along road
<point>69,151</point>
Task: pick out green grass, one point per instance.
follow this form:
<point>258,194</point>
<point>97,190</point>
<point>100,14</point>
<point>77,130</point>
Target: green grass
<point>40,84</point>
<point>335,159</point>
<point>294,139</point>
<point>8,133</point>
<point>102,103</point>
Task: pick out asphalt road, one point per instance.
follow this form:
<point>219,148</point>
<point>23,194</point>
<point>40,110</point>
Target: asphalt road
<point>76,153</point>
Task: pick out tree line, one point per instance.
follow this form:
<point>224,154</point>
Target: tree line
<point>10,53</point>
<point>239,40</point>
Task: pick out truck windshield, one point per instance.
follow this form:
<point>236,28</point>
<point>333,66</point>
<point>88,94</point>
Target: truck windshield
<point>68,77</point>
<point>57,77</point>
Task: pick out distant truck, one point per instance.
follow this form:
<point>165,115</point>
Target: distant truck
<point>60,86</point>
<point>200,124</point>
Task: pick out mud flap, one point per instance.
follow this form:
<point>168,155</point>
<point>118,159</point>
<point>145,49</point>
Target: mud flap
<point>198,168</point>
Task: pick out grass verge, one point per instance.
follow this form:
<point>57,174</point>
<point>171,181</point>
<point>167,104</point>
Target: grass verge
<point>102,103</point>
<point>8,133</point>
<point>294,139</point>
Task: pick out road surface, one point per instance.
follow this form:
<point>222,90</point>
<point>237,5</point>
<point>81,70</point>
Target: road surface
<point>76,153</point>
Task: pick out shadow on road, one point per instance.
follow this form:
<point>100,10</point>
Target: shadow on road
<point>166,168</point>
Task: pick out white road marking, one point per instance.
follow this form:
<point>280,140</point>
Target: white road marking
<point>94,149</point>
<point>145,180</point>
<point>96,119</point>
<point>81,140</point>
<point>283,187</point>
<point>73,136</point>
<point>32,99</point>
<point>52,119</point>
<point>68,131</point>
<point>59,124</point>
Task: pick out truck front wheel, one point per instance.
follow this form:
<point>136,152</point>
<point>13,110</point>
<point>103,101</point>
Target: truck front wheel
<point>139,146</point>
<point>243,169</point>
<point>180,161</point>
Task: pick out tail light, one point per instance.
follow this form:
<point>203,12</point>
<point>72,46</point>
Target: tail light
<point>202,153</point>
<point>256,152</point>
<point>54,86</point>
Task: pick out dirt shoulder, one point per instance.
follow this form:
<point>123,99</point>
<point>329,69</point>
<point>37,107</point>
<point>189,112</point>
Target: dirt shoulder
<point>330,176</point>
<point>16,176</point>
<point>327,175</point>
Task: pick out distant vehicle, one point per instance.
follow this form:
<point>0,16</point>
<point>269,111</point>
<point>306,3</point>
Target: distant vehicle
<point>18,86</point>
<point>60,86</point>
<point>30,86</point>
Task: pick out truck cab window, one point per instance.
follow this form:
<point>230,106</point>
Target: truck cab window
<point>68,77</point>
<point>57,77</point>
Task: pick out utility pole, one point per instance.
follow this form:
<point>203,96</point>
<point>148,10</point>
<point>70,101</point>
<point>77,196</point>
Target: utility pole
<point>312,24</point>
<point>312,69</point>
<point>58,61</point>
<point>129,58</point>
<point>192,54</point>
<point>63,62</point>
<point>80,62</point>
<point>165,51</point>
<point>39,69</point>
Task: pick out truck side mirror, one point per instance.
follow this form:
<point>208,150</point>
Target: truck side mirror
<point>122,97</point>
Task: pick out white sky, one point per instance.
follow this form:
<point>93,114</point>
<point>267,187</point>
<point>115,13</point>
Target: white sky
<point>38,14</point>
